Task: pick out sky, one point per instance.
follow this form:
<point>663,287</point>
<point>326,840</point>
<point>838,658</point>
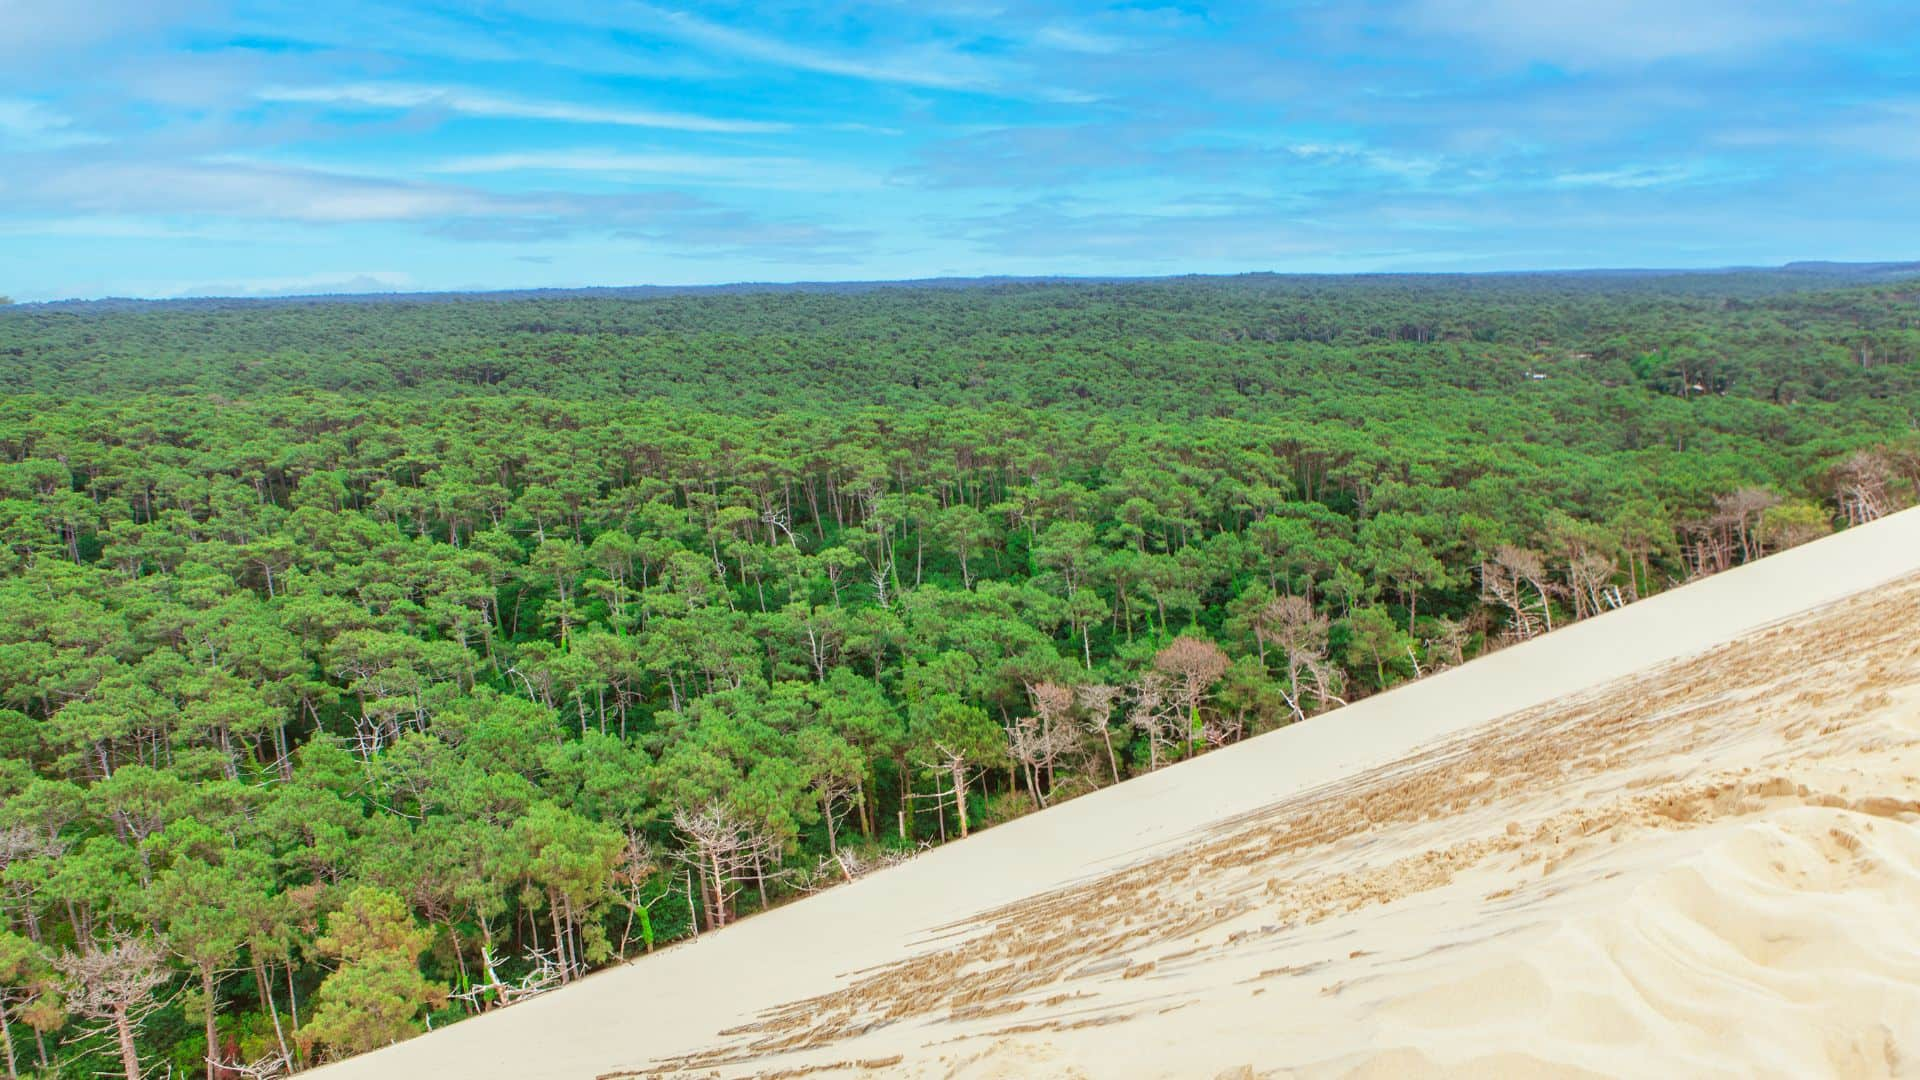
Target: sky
<point>272,147</point>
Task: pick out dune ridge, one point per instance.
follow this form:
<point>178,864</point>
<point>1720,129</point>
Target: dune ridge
<point>1707,867</point>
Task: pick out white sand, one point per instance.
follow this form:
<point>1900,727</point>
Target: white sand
<point>1657,842</point>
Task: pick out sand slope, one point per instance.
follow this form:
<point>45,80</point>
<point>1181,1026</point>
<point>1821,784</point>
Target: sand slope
<point>1660,842</point>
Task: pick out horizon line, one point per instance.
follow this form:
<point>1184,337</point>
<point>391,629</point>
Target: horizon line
<point>963,281</point>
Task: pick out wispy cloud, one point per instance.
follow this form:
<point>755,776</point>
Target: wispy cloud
<point>1067,37</point>
<point>933,66</point>
<point>1070,156</point>
<point>611,161</point>
<point>468,102</point>
<point>228,189</point>
<point>233,190</point>
<point>31,125</point>
<point>42,33</point>
<point>1632,176</point>
<point>1407,166</point>
<point>786,173</point>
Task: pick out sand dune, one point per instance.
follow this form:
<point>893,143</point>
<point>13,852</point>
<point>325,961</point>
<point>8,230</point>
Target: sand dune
<point>1679,839</point>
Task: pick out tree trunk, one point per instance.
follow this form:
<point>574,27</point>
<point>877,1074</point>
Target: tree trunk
<point>213,1032</point>
<point>6,1040</point>
<point>719,896</point>
<point>906,795</point>
<point>693,914</point>
<point>561,954</point>
<point>129,1057</point>
<point>273,1010</point>
<point>293,1005</point>
<point>960,795</point>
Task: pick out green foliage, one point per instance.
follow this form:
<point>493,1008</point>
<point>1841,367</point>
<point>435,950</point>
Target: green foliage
<point>377,993</point>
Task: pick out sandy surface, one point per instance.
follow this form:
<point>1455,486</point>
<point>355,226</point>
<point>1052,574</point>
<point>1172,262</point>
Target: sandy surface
<point>1679,839</point>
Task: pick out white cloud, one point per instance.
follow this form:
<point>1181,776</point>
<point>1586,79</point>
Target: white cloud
<point>1406,166</point>
<point>229,191</point>
<point>1610,33</point>
<point>609,161</point>
<point>1631,176</point>
<point>407,97</point>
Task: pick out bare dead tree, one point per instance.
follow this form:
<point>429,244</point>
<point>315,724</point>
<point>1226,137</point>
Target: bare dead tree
<point>1590,581</point>
<point>850,865</point>
<point>115,985</point>
<point>547,973</point>
<point>1706,548</point>
<point>824,642</point>
<point>1504,580</point>
<point>777,518</point>
<point>1861,487</point>
<point>1153,711</point>
<point>720,848</point>
<point>952,764</point>
<point>266,1068</point>
<point>1290,624</point>
<point>1192,667</point>
<point>1096,701</point>
<point>1037,742</point>
<point>638,866</point>
<point>839,795</point>
<point>1284,622</point>
<point>1302,635</point>
<point>713,839</point>
<point>1738,513</point>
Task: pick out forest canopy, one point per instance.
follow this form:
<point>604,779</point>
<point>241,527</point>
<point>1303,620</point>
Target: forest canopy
<point>369,663</point>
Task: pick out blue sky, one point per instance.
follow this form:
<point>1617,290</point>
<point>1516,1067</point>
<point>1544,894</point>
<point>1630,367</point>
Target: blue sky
<point>194,147</point>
